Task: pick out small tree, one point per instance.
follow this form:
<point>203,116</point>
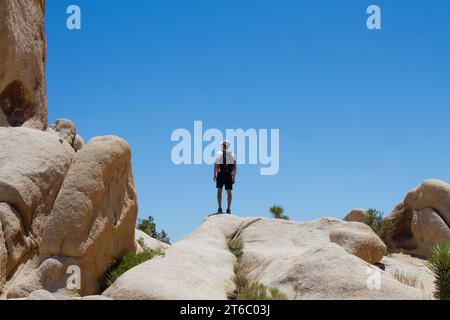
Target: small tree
<point>163,237</point>
<point>148,226</point>
<point>440,266</point>
<point>382,227</point>
<point>278,212</point>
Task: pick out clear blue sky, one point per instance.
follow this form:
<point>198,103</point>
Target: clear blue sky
<point>363,115</point>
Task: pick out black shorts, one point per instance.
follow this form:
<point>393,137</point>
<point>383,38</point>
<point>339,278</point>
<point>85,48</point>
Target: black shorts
<point>224,179</point>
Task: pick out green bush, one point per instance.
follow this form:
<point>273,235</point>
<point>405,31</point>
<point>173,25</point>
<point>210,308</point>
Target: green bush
<point>298,289</point>
<point>130,261</point>
<point>439,264</point>
<point>258,291</point>
<point>382,227</point>
<point>236,246</point>
<point>240,278</point>
<point>244,289</point>
<point>141,242</point>
<point>278,212</point>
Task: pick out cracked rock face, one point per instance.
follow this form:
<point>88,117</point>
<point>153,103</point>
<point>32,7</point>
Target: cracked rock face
<point>280,254</point>
<point>22,64</point>
<point>60,209</point>
<point>33,165</point>
<point>423,218</point>
<point>66,130</point>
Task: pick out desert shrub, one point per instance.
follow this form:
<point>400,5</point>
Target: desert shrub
<point>141,242</point>
<point>278,212</point>
<point>298,289</point>
<point>439,264</point>
<point>244,289</point>
<point>240,277</point>
<point>130,261</point>
<point>236,246</point>
<point>408,279</point>
<point>382,227</point>
<point>258,291</point>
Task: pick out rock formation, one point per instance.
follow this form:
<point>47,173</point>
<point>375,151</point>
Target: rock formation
<point>32,169</point>
<point>358,239</point>
<point>89,224</point>
<point>356,215</point>
<point>279,254</point>
<point>60,207</point>
<point>423,218</point>
<point>22,64</point>
<point>66,130</point>
<point>68,212</point>
<point>149,242</point>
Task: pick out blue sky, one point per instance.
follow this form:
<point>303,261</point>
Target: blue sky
<point>363,115</point>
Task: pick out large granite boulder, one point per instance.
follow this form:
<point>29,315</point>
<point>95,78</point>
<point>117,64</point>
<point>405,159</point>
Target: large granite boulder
<point>423,218</point>
<point>22,64</point>
<point>63,211</point>
<point>33,165</point>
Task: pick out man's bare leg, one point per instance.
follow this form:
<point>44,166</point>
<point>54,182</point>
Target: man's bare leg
<point>230,198</point>
<point>219,198</point>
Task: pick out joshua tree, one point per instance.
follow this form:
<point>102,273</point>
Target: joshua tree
<point>440,265</point>
<point>278,212</point>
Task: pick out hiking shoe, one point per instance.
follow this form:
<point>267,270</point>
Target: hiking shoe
<point>228,211</point>
<point>220,211</point>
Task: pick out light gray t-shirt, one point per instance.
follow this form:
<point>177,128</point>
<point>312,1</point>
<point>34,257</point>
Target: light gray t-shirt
<point>229,157</point>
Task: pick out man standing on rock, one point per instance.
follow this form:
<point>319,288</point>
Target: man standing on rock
<point>225,174</point>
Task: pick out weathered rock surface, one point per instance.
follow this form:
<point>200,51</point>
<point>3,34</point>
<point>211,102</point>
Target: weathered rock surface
<point>32,169</point>
<point>22,64</point>
<point>150,242</point>
<point>422,218</point>
<point>61,209</point>
<point>356,215</point>
<point>428,228</point>
<point>98,201</point>
<point>279,254</point>
<point>41,295</point>
<point>199,267</point>
<point>414,270</point>
<point>78,143</point>
<point>44,295</point>
<point>66,130</point>
<point>58,208</point>
<point>358,239</point>
<point>3,259</point>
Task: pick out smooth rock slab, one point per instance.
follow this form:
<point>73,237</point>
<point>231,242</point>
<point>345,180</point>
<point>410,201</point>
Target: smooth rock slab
<point>280,254</point>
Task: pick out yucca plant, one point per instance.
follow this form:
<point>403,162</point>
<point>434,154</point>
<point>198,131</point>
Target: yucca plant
<point>236,246</point>
<point>439,264</point>
<point>278,212</point>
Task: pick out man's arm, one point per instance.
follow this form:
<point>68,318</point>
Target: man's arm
<point>235,171</point>
<point>216,168</point>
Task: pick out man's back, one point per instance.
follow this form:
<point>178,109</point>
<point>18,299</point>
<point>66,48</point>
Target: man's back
<point>225,174</point>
